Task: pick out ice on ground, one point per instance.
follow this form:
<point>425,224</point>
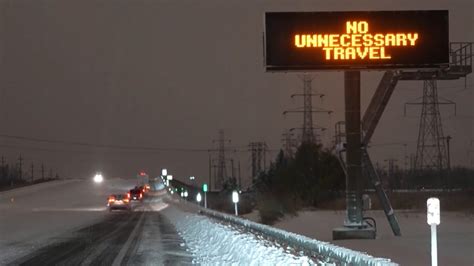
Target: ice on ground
<point>217,244</point>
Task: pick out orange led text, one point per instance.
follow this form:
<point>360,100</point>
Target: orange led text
<point>356,42</point>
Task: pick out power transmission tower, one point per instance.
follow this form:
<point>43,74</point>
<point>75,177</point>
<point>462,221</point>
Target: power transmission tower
<point>431,152</point>
<point>289,143</point>
<point>220,176</point>
<point>307,135</point>
<point>258,151</point>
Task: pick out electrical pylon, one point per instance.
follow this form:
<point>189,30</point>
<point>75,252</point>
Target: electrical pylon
<point>431,152</point>
<point>258,151</point>
<point>220,176</point>
<point>308,135</point>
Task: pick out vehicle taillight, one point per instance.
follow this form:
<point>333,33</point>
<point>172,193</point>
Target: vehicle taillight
<point>141,195</point>
<point>128,195</point>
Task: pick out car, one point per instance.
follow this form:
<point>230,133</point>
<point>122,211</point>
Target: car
<point>119,202</point>
<point>136,194</point>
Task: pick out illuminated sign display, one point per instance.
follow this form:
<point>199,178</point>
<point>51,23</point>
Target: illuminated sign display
<point>345,40</point>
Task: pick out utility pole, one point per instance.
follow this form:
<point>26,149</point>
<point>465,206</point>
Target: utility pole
<point>448,139</point>
<point>42,171</point>
<point>232,168</point>
<point>210,170</point>
<point>32,172</point>
<point>20,164</point>
<point>3,167</point>
<point>240,178</point>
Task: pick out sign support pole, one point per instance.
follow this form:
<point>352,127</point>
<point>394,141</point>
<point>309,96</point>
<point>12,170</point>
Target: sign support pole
<point>205,200</point>
<point>353,150</point>
<point>354,226</point>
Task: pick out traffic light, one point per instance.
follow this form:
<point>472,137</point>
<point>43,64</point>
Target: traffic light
<point>204,187</point>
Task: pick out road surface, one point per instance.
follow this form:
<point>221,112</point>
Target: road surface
<point>67,223</point>
<point>122,238</point>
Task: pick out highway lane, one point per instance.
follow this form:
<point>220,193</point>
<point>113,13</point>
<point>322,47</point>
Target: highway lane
<point>141,237</point>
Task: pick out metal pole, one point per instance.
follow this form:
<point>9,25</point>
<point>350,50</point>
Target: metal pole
<point>353,155</point>
<point>448,138</point>
<point>210,171</point>
<point>236,210</point>
<point>240,178</point>
<point>205,200</point>
<point>434,246</point>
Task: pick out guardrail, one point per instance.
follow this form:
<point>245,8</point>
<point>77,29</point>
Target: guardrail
<point>340,254</point>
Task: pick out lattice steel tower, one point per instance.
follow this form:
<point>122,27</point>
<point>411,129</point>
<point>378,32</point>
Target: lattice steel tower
<point>258,151</point>
<point>307,129</point>
<point>308,135</point>
<point>431,150</point>
<point>221,161</point>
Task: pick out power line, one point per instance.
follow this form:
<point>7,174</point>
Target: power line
<point>98,145</point>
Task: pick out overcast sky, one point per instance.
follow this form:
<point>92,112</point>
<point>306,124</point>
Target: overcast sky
<point>172,73</point>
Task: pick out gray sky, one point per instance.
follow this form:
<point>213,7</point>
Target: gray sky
<point>171,73</point>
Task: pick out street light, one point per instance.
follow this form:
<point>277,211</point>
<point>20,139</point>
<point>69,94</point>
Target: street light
<point>204,189</point>
<point>198,198</point>
<point>235,199</point>
<point>164,172</point>
<point>191,178</point>
<point>98,178</point>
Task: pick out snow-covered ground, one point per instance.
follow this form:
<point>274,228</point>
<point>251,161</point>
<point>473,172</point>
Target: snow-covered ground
<point>455,235</point>
<point>32,216</point>
<point>214,243</point>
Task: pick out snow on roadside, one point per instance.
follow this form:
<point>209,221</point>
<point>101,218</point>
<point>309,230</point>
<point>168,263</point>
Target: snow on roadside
<point>217,244</point>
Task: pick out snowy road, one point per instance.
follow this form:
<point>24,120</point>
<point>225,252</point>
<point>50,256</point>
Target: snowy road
<point>66,223</point>
<point>139,238</point>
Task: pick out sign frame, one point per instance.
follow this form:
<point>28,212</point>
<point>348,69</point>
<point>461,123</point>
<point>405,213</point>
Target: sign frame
<point>442,53</point>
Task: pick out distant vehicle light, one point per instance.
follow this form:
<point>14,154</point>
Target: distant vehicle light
<point>164,172</point>
<point>98,178</point>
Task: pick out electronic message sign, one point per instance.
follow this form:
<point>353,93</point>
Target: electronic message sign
<point>356,40</point>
